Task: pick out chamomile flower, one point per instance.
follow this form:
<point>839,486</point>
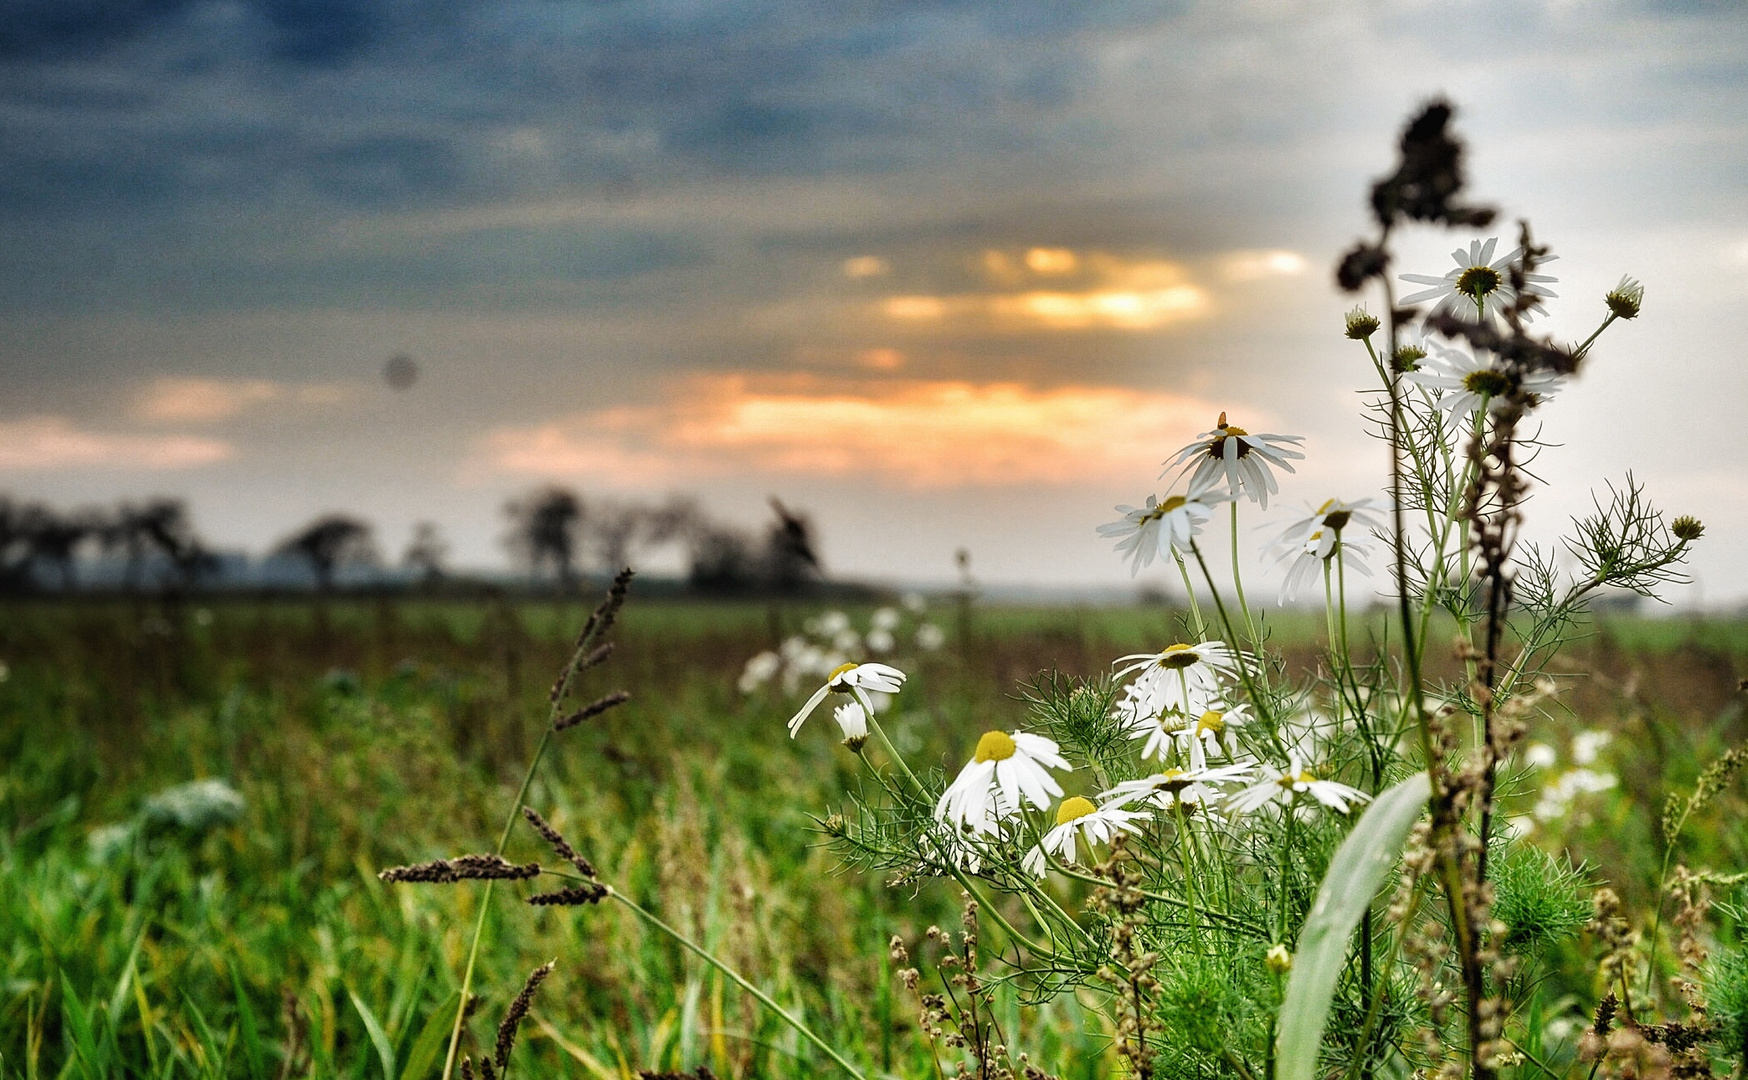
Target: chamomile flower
<point>1158,528</point>
<point>1214,732</point>
<point>1286,785</point>
<point>1480,282</point>
<point>1464,382</point>
<point>1313,554</point>
<point>1078,817</point>
<point>1006,768</point>
<point>853,722</point>
<point>1193,789</point>
<point>1209,659</point>
<point>1331,519</point>
<point>1172,688</point>
<point>1239,457</point>
<point>853,679</point>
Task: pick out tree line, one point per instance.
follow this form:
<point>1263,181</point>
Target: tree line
<point>555,536</point>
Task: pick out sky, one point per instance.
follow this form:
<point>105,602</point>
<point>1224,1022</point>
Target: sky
<point>942,274</point>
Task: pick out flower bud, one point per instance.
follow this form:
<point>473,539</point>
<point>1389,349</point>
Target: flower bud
<point>1687,528</point>
<point>1279,960</point>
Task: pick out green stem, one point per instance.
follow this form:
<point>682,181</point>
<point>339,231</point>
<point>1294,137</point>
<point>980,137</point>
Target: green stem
<point>1201,627</point>
<point>485,904</point>
<point>1238,582</point>
<point>704,954</point>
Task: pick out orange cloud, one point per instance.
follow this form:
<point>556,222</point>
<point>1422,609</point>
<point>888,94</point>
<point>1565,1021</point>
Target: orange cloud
<point>1106,291</point>
<point>40,443</point>
<point>178,400</point>
<point>901,433</point>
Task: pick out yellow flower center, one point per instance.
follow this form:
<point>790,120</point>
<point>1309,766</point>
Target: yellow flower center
<point>833,680</point>
<point>1305,776</point>
<point>1171,780</point>
<point>1073,808</point>
<point>1217,445</point>
<point>1486,381</point>
<point>1327,503</point>
<point>1211,723</point>
<point>1477,281</point>
<point>1178,656</point>
<point>994,746</point>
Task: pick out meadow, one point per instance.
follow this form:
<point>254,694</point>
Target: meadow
<point>142,936</point>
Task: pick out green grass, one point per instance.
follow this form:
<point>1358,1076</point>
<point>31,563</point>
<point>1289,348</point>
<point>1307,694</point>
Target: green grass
<point>371,734</point>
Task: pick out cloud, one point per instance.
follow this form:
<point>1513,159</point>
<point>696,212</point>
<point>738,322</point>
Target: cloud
<point>41,443</point>
<point>175,400</point>
<point>910,433</point>
<point>1062,289</point>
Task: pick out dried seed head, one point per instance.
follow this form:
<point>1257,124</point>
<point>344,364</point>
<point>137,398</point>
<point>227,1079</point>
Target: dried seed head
<point>461,868</point>
<point>560,846</point>
<point>517,1010</point>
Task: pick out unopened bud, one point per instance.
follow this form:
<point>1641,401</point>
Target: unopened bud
<point>1687,528</point>
<point>1279,960</point>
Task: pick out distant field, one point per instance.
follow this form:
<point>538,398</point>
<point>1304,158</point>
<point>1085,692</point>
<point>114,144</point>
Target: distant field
<point>364,734</point>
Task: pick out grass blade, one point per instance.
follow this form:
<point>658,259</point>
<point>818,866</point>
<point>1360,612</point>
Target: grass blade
<point>427,1049</point>
<point>379,1038</point>
<point>1354,876</point>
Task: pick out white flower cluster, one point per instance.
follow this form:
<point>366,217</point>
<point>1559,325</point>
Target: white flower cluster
<point>831,640</point>
<point>1178,701</point>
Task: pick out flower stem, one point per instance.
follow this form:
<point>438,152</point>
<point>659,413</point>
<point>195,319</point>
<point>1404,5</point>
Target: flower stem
<point>705,955</point>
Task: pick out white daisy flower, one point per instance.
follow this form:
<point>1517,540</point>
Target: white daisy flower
<point>759,671</point>
<point>1480,281</point>
<point>1241,458</point>
<point>1334,516</point>
<point>1194,789</point>
<point>853,721</point>
<point>881,640</point>
<point>853,679</point>
<point>886,618</point>
<point>1286,785</point>
<point>1464,381</point>
<point>930,637</point>
<point>1005,769</point>
<point>1078,817</point>
<point>1158,528</point>
<point>1173,688</point>
<point>1214,732</point>
<point>1307,563</point>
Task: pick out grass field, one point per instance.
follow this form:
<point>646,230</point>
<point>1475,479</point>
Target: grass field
<point>369,734</point>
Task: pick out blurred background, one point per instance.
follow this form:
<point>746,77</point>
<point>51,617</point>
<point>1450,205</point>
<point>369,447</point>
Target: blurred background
<point>938,276</point>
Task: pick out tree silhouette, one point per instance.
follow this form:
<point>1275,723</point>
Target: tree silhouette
<point>543,532</point>
<point>427,553</point>
<point>791,560</point>
<point>328,543</point>
<point>160,526</point>
<point>55,538</point>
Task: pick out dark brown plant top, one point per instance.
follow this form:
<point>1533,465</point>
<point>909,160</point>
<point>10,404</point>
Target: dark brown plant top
<point>514,1015</point>
<point>462,868</point>
<point>560,846</point>
<point>592,709</point>
<point>590,892</point>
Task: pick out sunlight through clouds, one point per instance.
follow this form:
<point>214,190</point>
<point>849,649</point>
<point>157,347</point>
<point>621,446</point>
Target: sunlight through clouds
<point>1087,291</point>
<point>44,443</point>
<point>195,400</point>
<point>913,434</point>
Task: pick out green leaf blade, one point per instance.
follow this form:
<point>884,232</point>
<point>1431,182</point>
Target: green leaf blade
<point>1355,875</point>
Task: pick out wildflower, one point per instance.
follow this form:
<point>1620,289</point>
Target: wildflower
<point>854,679</point>
<point>1005,768</point>
<point>853,721</point>
<point>1206,660</point>
<point>1626,299</point>
<point>1480,282</point>
<point>1077,816</point>
<point>1173,688</point>
<point>1687,528</point>
<point>930,637</point>
<point>880,640</point>
<point>886,618</point>
<point>1286,785</point>
<point>759,670</point>
<point>1242,458</point>
<point>1159,528</point>
<point>1215,732</point>
<point>1314,553</point>
<point>1191,788</point>
<point>1361,324</point>
<point>1464,381</point>
<point>1279,959</point>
